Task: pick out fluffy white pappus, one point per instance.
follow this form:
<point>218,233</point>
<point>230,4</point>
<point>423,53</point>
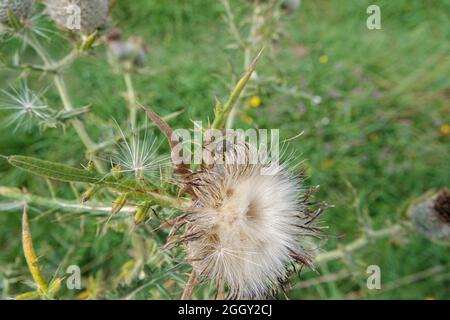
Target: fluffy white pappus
<point>247,228</point>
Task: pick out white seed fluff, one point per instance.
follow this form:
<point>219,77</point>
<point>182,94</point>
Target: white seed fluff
<point>246,228</point>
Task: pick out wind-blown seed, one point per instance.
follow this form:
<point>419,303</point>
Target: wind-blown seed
<point>247,228</point>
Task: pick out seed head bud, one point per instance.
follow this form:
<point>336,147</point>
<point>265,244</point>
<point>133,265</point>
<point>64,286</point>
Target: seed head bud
<point>83,16</point>
<point>89,41</point>
<point>119,203</point>
<point>141,214</point>
<point>431,216</point>
<point>291,6</point>
<point>90,166</point>
<point>88,194</point>
<point>129,53</point>
<point>117,172</point>
<point>20,8</point>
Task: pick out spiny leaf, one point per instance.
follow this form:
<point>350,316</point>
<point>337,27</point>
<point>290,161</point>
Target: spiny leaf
<point>57,171</point>
<point>31,295</point>
<point>30,255</point>
<point>54,287</point>
<point>53,170</point>
<point>13,20</point>
<point>219,120</point>
<point>181,168</point>
<point>89,42</point>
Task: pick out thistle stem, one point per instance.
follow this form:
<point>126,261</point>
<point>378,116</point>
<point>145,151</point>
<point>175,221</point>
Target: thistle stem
<point>247,45</point>
<point>190,285</point>
<point>131,99</point>
<point>222,116</point>
<point>75,206</point>
<point>58,79</point>
<point>57,66</point>
<point>359,243</point>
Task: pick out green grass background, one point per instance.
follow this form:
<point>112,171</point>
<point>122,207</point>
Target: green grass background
<point>373,144</point>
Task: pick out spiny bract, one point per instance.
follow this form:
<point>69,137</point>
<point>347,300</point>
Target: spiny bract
<point>93,14</point>
<point>248,224</point>
<point>21,8</point>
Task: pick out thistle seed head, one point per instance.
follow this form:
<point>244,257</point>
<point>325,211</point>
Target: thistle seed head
<point>83,16</point>
<point>431,216</point>
<point>131,52</point>
<point>21,8</point>
<point>26,105</point>
<point>138,156</point>
<point>290,6</point>
<point>245,228</point>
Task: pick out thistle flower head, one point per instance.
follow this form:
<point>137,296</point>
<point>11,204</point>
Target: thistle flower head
<point>139,156</point>
<point>20,8</point>
<point>26,105</point>
<point>131,52</point>
<point>431,216</point>
<point>247,228</point>
<point>290,5</point>
<point>79,15</point>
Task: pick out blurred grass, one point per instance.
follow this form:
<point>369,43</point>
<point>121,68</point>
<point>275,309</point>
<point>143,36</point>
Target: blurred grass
<point>373,144</point>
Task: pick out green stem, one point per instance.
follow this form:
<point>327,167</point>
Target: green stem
<point>75,206</point>
<point>221,118</point>
<point>58,79</point>
<point>234,111</point>
<point>247,56</point>
<point>57,66</point>
<point>359,243</point>
<point>131,99</point>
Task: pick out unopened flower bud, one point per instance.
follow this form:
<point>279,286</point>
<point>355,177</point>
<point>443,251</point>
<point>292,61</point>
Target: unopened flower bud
<point>117,172</point>
<point>119,203</point>
<point>130,53</point>
<point>87,195</point>
<point>90,166</point>
<point>141,214</point>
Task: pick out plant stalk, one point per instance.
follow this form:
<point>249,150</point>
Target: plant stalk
<point>131,99</point>
<point>190,285</point>
<point>62,90</point>
<point>358,244</point>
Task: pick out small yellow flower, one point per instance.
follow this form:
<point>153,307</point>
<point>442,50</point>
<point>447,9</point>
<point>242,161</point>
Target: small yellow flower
<point>327,163</point>
<point>323,59</point>
<point>429,298</point>
<point>445,129</point>
<point>254,102</point>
